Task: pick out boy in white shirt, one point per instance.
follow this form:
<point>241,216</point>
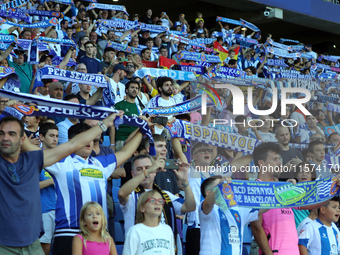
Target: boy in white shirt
<point>321,236</point>
<point>222,232</point>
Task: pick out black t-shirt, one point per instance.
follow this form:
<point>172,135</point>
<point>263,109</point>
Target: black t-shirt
<point>167,181</point>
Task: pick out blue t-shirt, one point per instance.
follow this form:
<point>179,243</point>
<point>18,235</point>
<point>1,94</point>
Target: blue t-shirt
<point>92,64</point>
<point>20,210</point>
<point>47,194</point>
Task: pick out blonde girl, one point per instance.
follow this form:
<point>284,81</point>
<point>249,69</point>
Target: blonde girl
<point>93,238</point>
<point>149,236</point>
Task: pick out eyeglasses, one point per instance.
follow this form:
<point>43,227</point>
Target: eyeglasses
<point>130,66</point>
<point>153,200</point>
<point>204,151</point>
<point>13,171</point>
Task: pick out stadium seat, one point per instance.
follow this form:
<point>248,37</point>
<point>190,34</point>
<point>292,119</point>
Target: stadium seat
<point>119,248</point>
<point>119,233</point>
<point>119,217</point>
<point>245,250</point>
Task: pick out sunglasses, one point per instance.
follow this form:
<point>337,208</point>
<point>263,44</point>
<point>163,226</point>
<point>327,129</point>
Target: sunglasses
<point>153,200</point>
<point>14,175</point>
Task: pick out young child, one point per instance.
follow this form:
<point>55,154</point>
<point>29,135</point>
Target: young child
<point>222,232</point>
<point>177,95</point>
<point>93,238</point>
<point>148,236</point>
<point>321,236</point>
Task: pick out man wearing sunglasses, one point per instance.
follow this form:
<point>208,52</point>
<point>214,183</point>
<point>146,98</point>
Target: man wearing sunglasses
<point>143,171</point>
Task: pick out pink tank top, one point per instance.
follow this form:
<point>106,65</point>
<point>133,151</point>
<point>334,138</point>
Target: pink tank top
<point>94,248</point>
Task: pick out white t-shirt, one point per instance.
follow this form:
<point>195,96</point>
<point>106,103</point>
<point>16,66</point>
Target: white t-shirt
<point>129,209</point>
<point>158,101</point>
<point>222,233</point>
<point>320,239</point>
<point>303,223</point>
<point>145,240</point>
<point>118,89</point>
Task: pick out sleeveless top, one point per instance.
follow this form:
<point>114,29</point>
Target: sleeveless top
<point>94,248</point>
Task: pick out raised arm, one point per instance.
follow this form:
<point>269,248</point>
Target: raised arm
<point>132,184</point>
<point>54,155</point>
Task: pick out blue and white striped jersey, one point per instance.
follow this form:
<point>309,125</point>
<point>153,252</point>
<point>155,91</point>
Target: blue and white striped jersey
<point>222,233</point>
<point>78,181</point>
<point>320,239</point>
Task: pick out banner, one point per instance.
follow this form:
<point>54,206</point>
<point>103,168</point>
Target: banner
<point>178,32</point>
<point>15,15</point>
<point>197,57</point>
<point>246,42</point>
<point>123,47</point>
<point>288,40</point>
<point>120,8</point>
<point>270,195</point>
<point>174,74</point>
<point>212,136</point>
<point>55,14</point>
<point>13,4</point>
<point>117,23</point>
<point>51,72</point>
<point>224,72</point>
<point>41,24</point>
<point>68,2</point>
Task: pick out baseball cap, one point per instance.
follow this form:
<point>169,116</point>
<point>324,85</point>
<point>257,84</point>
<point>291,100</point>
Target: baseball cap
<point>120,67</point>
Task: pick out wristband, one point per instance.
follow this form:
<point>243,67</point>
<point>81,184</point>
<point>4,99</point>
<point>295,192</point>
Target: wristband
<point>112,144</point>
<point>186,185</point>
<point>102,126</point>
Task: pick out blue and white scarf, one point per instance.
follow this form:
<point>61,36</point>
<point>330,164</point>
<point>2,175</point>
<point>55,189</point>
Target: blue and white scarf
<point>196,69</point>
<point>280,45</point>
<point>282,53</point>
<point>13,80</point>
<point>13,4</point>
<point>198,57</point>
<point>120,8</point>
<point>276,62</point>
<point>50,72</point>
<point>33,53</point>
<point>181,33</point>
<point>123,47</point>
<point>204,40</point>
<point>117,23</point>
<point>55,14</point>
<point>249,25</point>
<point>325,99</point>
<point>289,40</point>
<point>225,72</point>
<point>25,44</point>
<point>187,106</point>
<point>16,15</point>
<point>174,74</point>
<point>65,42</point>
<point>55,107</point>
<point>6,38</point>
<point>212,136</point>
<point>246,42</point>
<point>230,21</point>
<point>41,24</point>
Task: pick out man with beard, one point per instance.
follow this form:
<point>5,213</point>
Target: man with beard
<point>164,98</point>
<point>129,106</point>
